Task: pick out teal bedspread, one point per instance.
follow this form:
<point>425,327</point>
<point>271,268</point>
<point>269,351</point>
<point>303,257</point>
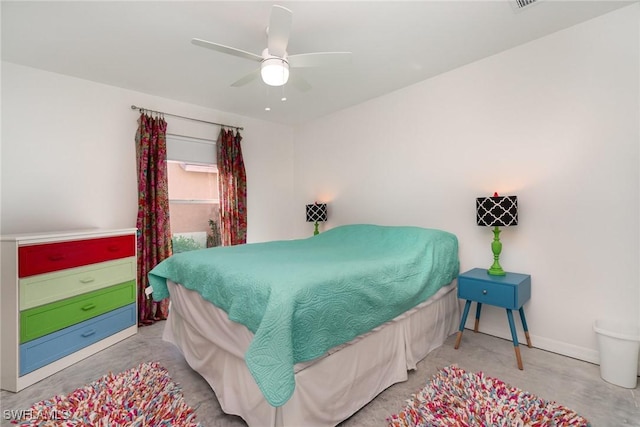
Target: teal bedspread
<point>302,297</point>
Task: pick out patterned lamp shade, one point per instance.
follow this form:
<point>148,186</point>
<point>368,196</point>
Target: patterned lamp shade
<point>317,212</point>
<point>497,211</point>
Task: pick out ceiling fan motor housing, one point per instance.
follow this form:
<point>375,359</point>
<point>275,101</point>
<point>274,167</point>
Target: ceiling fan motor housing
<point>274,70</point>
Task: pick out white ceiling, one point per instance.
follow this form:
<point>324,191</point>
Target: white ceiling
<point>145,45</point>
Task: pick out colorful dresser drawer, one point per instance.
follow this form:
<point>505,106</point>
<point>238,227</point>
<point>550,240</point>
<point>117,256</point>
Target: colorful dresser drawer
<point>52,317</point>
<point>45,288</point>
<point>45,258</point>
<point>49,348</point>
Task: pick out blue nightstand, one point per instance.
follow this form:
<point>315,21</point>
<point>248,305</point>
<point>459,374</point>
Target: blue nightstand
<point>510,291</point>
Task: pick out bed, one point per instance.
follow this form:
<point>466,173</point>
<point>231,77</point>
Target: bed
<point>307,331</point>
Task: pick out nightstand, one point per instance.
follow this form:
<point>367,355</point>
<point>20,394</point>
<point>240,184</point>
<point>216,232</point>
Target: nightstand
<point>510,291</point>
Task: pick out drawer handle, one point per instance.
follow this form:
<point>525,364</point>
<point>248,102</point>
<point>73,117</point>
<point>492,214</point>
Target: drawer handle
<point>57,257</point>
<point>88,307</point>
<point>113,248</point>
<point>87,280</point>
<point>89,333</point>
<point>484,292</point>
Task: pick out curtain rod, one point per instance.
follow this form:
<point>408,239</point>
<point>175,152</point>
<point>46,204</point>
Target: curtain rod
<point>141,109</point>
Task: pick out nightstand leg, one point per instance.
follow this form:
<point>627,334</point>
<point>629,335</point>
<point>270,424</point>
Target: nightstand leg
<point>518,357</point>
<point>465,313</point>
<point>524,325</point>
<point>478,308</point>
<point>514,336</point>
<point>458,339</point>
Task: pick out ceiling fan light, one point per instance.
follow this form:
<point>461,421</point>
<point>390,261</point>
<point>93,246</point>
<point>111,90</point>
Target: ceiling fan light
<point>274,71</point>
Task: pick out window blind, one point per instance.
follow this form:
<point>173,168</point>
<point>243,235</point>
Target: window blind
<point>187,149</point>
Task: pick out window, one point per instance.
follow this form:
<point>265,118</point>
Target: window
<point>193,193</point>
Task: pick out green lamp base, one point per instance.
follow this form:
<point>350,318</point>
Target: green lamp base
<point>496,248</point>
<point>496,271</point>
<point>315,231</point>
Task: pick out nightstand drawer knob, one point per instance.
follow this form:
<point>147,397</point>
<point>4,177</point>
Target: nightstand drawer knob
<point>484,292</point>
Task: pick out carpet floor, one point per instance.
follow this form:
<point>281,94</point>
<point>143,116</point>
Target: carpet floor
<point>570,382</point>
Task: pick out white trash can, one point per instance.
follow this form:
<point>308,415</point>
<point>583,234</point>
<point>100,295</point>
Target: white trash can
<point>619,345</point>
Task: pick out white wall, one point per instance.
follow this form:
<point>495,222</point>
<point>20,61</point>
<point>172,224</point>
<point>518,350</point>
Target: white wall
<point>68,155</point>
<point>554,122</point>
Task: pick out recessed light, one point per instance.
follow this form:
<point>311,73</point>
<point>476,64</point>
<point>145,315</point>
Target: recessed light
<point>267,109</point>
<point>284,98</point>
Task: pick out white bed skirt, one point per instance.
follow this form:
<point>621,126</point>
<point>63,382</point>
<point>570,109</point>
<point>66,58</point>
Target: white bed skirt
<point>329,389</point>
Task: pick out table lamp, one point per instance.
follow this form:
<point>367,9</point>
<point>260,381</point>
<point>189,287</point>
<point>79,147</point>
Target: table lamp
<point>497,211</point>
<point>316,212</point>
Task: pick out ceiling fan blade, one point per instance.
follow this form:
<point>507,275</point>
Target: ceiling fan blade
<point>226,49</point>
<point>299,83</point>
<point>278,31</point>
<point>319,59</point>
<point>247,79</point>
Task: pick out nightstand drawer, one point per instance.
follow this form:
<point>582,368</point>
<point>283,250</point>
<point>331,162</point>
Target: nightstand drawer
<point>510,291</point>
<point>487,293</point>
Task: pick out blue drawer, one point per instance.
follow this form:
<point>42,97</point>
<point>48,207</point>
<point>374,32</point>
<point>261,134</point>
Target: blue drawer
<point>49,348</point>
<point>487,293</point>
<point>510,291</point>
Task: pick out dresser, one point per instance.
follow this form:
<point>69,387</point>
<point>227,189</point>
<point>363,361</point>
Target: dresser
<point>64,296</point>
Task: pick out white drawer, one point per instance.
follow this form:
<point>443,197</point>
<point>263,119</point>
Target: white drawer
<point>50,287</point>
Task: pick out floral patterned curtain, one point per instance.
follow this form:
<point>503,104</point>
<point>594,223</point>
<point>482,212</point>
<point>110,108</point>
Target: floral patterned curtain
<point>154,233</point>
<point>232,185</point>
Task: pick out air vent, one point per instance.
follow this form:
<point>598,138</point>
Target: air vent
<point>521,4</point>
<point>524,3</point>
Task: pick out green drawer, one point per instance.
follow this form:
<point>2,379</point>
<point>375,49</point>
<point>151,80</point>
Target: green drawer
<point>48,318</point>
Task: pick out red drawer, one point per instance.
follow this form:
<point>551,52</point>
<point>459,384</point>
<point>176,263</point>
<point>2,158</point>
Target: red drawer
<point>38,259</point>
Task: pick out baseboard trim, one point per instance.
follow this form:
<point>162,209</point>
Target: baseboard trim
<point>576,352</point>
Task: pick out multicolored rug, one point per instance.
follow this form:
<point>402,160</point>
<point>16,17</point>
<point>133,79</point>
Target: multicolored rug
<point>457,398</point>
<point>141,396</point>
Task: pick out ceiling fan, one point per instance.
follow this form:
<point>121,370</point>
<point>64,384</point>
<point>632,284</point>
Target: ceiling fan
<point>275,62</point>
